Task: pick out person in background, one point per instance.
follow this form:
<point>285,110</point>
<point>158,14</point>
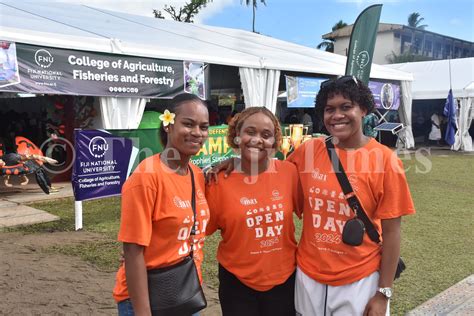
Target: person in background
<point>369,122</point>
<point>292,117</point>
<point>213,113</point>
<point>334,278</point>
<point>435,133</point>
<point>156,214</point>
<point>306,120</point>
<point>253,209</point>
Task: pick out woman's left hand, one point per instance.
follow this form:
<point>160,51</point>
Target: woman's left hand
<point>377,306</point>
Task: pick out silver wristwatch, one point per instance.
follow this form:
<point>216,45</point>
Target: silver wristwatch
<point>386,291</point>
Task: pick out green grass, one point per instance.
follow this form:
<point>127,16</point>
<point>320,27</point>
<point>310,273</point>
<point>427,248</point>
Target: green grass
<point>99,216</point>
<point>437,241</point>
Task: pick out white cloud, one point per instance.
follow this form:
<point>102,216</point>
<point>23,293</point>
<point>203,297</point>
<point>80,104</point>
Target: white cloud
<point>212,9</point>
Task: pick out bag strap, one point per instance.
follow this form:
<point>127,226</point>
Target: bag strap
<point>193,206</point>
<point>349,194</point>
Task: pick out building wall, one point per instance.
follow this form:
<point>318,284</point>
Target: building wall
<point>342,45</point>
<point>385,46</point>
<point>429,45</point>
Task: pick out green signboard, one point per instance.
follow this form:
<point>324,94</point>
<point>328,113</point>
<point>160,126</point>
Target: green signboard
<point>215,149</point>
<point>147,142</point>
<point>362,43</point>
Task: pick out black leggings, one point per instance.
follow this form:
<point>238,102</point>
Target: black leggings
<point>238,299</point>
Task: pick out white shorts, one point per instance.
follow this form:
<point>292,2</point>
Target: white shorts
<point>313,298</point>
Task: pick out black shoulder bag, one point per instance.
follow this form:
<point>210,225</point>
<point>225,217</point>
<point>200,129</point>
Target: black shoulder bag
<point>176,290</point>
<point>353,231</point>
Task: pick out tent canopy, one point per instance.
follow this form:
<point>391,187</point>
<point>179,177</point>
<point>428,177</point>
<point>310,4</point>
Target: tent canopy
<point>86,28</point>
<point>432,78</point>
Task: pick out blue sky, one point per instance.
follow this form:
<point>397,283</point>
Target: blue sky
<point>305,21</point>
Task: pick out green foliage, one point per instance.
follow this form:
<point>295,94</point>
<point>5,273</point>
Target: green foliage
<point>328,45</point>
<point>436,241</point>
<point>415,20</point>
<point>252,2</point>
<point>185,13</point>
<point>339,25</point>
<point>406,57</point>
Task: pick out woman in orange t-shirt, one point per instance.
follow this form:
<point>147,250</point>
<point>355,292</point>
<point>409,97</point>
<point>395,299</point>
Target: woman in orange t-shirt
<point>253,208</point>
<point>157,216</point>
<point>335,278</point>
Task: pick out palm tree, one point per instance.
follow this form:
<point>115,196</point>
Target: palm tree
<point>254,6</point>
<point>339,25</point>
<point>414,20</point>
<point>328,45</point>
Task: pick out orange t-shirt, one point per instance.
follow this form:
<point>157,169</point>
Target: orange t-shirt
<point>157,214</point>
<point>377,178</point>
<point>255,216</point>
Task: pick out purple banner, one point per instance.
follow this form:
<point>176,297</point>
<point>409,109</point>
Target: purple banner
<point>386,95</point>
<point>102,164</point>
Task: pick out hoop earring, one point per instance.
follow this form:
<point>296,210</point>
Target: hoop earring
<point>237,140</point>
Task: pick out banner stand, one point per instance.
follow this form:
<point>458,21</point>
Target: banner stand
<point>78,214</point>
<point>104,159</point>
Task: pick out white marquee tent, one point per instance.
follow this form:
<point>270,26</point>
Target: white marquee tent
<point>259,58</point>
<point>433,79</point>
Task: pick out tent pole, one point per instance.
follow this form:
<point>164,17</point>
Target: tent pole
<point>449,64</point>
<point>78,215</point>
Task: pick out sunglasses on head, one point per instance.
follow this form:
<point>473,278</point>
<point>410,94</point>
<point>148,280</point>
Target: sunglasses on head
<point>340,80</point>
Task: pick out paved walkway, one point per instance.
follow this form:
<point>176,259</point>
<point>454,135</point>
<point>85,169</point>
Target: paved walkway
<point>456,300</point>
<point>14,212</point>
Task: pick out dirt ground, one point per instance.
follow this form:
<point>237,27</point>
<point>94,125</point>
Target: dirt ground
<point>36,282</point>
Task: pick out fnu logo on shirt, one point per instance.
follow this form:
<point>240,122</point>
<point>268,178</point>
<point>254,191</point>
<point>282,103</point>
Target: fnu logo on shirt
<point>180,203</point>
<point>318,175</point>
<point>276,196</point>
<point>201,197</point>
<point>246,201</point>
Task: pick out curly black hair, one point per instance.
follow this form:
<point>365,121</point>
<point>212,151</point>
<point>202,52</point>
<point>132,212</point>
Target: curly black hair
<point>358,93</point>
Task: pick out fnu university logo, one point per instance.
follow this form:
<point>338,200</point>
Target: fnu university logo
<point>246,201</point>
<point>363,59</point>
<point>180,203</point>
<point>43,58</point>
<point>318,175</point>
<point>276,196</point>
<point>201,198</point>
<point>98,146</point>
